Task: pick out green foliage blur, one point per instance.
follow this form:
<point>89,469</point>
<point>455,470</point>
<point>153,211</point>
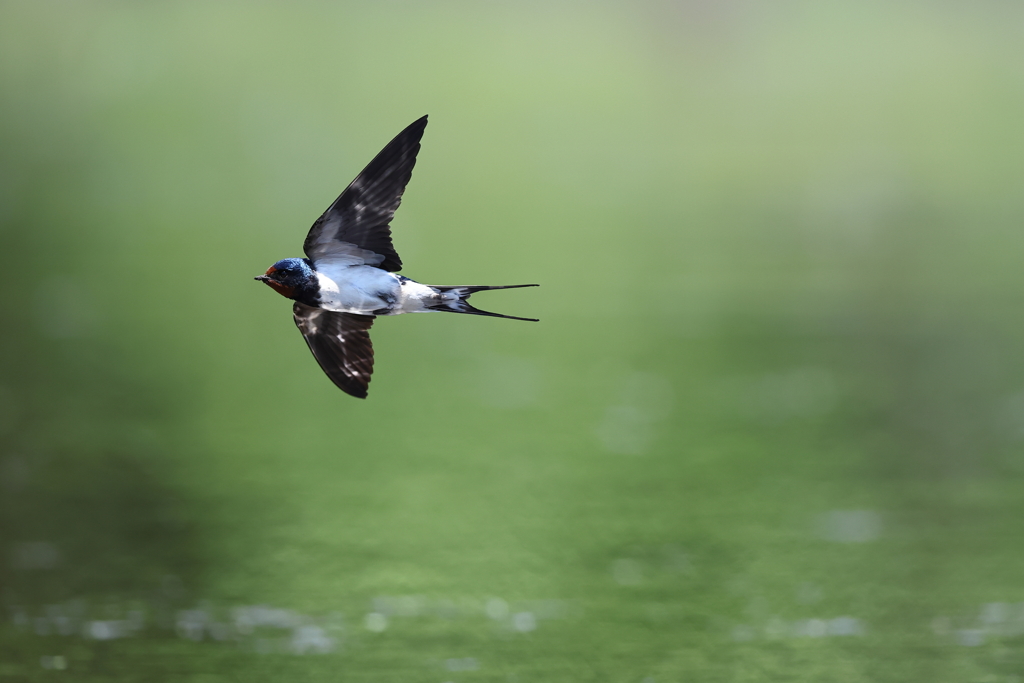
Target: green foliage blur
<point>769,426</point>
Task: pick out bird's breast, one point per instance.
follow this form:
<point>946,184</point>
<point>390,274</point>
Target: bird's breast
<point>357,289</point>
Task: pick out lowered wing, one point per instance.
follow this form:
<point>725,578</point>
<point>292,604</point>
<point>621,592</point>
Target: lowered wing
<point>340,342</point>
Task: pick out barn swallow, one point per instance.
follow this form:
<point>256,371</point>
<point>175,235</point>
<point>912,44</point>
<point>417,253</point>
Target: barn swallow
<point>349,275</point>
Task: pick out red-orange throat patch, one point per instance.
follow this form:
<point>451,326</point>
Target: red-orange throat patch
<point>281,288</point>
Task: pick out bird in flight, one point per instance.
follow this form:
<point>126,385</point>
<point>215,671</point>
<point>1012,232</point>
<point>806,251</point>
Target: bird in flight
<point>349,275</point>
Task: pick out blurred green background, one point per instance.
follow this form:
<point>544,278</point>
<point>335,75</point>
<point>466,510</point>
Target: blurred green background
<point>770,428</point>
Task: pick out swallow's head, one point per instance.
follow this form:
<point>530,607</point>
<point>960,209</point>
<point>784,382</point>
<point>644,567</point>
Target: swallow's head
<point>292,278</point>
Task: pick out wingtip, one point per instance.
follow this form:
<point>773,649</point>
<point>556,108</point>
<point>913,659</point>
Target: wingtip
<point>353,391</point>
<point>415,128</point>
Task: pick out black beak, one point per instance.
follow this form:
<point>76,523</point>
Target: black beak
<point>261,278</point>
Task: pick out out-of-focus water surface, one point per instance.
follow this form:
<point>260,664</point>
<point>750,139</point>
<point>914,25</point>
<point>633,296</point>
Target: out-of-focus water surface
<point>771,426</point>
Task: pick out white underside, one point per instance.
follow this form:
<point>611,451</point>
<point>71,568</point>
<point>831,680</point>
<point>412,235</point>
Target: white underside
<point>368,290</point>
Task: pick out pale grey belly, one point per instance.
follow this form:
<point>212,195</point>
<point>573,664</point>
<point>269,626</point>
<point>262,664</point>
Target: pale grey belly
<point>359,289</point>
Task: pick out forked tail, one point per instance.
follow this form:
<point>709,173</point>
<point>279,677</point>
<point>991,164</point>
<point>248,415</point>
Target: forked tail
<point>453,300</point>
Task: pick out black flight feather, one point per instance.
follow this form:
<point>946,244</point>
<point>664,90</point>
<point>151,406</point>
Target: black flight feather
<point>340,342</point>
<point>361,215</point>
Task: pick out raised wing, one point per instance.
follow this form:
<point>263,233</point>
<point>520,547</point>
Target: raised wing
<point>355,228</point>
<point>340,342</point>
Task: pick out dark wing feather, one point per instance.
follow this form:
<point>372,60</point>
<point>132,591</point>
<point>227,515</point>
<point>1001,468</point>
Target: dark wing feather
<point>363,212</point>
<point>340,342</point>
